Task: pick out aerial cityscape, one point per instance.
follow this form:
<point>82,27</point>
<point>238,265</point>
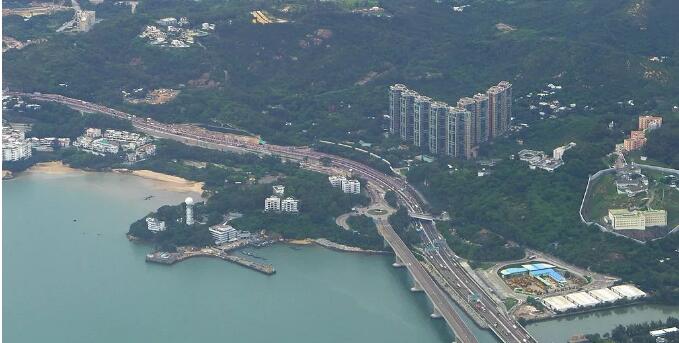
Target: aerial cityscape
<point>369,171</point>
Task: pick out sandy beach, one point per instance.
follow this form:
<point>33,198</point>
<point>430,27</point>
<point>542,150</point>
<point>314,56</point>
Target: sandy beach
<point>55,168</point>
<point>305,241</point>
<point>164,181</point>
<point>170,182</point>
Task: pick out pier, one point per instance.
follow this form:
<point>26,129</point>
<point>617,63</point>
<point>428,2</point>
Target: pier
<point>183,254</point>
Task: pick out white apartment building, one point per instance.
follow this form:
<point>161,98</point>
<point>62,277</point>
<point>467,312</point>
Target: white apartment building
<point>336,180</point>
<point>224,233</point>
<point>15,150</point>
<point>272,203</point>
<point>290,205</point>
<point>104,146</point>
<point>351,186</point>
<point>155,225</point>
<point>93,132</point>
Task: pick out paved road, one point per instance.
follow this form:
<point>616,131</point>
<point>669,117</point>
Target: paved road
<point>444,260</point>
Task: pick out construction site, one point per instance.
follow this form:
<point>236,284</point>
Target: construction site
<point>537,279</point>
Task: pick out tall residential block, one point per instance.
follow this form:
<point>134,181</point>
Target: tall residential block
<point>469,104</point>
<point>499,108</point>
<point>456,131</point>
<point>482,134</point>
<point>437,127</point>
<point>421,121</point>
<point>395,108</point>
<point>407,114</point>
<point>459,132</point>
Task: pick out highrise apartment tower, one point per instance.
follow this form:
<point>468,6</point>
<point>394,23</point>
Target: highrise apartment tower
<point>469,104</point>
<point>482,133</point>
<point>437,127</point>
<point>407,114</point>
<point>499,108</point>
<point>421,121</point>
<point>395,108</point>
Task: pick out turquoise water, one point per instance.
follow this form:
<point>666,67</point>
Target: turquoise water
<point>559,330</point>
<point>82,281</point>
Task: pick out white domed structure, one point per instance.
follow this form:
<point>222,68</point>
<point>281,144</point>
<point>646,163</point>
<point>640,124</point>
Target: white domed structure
<point>189,210</point>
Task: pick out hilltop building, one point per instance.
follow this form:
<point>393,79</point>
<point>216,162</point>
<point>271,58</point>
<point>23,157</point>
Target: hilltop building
<point>442,129</point>
<point>649,122</point>
<point>623,219</point>
<point>84,20</point>
<point>629,180</point>
<point>279,190</point>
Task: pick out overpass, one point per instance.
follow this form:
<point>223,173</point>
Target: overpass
<point>444,260</point>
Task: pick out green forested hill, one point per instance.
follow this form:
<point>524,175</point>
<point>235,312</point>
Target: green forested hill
<point>598,50</point>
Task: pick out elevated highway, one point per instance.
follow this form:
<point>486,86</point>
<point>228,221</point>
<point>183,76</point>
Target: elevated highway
<point>443,259</point>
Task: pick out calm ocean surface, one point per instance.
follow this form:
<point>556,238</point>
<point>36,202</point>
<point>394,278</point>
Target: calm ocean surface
<point>83,281</point>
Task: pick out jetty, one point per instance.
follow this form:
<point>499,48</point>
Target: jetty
<point>183,254</point>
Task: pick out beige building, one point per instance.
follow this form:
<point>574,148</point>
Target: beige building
<point>622,219</point>
<point>649,122</point>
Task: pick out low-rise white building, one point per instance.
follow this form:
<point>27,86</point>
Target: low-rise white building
<point>224,233</point>
<point>351,186</point>
<point>15,150</point>
<point>104,146</point>
<point>93,132</point>
<point>336,180</point>
<point>272,203</point>
<point>290,205</point>
<point>155,225</point>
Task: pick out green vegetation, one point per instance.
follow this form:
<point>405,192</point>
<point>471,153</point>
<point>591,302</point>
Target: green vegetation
<point>532,301</point>
<point>662,143</point>
<point>391,199</point>
<point>319,202</point>
<point>404,227</point>
<point>56,120</point>
<point>509,303</point>
<point>539,210</point>
<point>277,74</point>
<point>637,333</point>
<point>479,244</point>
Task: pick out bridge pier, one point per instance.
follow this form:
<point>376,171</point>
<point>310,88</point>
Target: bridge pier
<point>416,286</point>
<point>435,314</point>
<point>397,262</point>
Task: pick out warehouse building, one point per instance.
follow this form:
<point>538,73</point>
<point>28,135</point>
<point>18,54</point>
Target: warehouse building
<point>628,292</point>
<point>582,299</point>
<point>605,295</point>
<point>558,304</point>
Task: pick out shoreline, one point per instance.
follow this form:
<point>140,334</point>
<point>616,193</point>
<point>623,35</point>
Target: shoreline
<point>163,181</point>
<point>51,168</point>
<point>166,181</point>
